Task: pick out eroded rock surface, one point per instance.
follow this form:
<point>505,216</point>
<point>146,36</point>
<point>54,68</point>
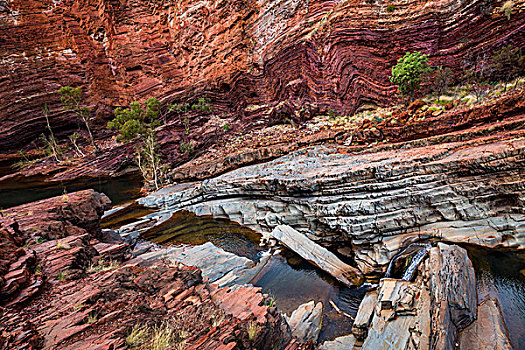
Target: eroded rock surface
<point>305,321</point>
<point>427,313</point>
<point>488,331</point>
<point>63,288</point>
<point>374,203</point>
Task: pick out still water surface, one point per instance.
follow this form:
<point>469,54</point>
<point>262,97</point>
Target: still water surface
<point>291,280</point>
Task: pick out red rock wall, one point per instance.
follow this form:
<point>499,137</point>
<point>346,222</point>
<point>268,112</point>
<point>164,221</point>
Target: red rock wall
<point>335,54</point>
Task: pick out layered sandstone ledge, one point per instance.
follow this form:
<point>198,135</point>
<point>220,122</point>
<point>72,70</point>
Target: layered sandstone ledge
<point>66,285</point>
<point>370,205</point>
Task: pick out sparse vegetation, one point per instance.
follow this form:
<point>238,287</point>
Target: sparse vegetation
<point>477,74</point>
<point>102,265</point>
<point>140,121</point>
<point>390,8</point>
<point>74,139</point>
<point>62,276</point>
<point>186,147</point>
<point>443,78</point>
<point>78,307</point>
<point>507,8</point>
<point>39,240</point>
<point>137,120</point>
<point>50,142</point>
<point>23,162</point>
<point>72,100</point>
<point>270,301</point>
<point>92,317</point>
<point>408,72</point>
<point>507,62</point>
<point>253,329</point>
<point>202,105</point>
<point>217,319</point>
<point>162,337</point>
<point>62,246</point>
<point>139,335</point>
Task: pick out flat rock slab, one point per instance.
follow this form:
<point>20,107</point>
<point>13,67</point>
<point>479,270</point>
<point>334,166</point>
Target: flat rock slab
<point>364,315</point>
<point>316,254</point>
<point>218,265</point>
<point>347,342</point>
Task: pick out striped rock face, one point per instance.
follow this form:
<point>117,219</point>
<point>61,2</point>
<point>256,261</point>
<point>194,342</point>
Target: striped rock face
<point>277,55</point>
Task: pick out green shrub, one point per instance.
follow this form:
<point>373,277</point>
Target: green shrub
<point>390,8</point>
<point>135,120</point>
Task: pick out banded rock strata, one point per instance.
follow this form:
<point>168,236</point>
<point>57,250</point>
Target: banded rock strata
<point>369,206</point>
<point>257,59</point>
<point>56,292</point>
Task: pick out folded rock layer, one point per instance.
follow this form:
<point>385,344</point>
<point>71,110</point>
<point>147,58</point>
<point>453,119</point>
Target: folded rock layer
<point>284,54</point>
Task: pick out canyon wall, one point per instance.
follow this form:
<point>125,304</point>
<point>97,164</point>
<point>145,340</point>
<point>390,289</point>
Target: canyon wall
<point>256,59</point>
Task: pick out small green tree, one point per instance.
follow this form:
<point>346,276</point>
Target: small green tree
<point>507,62</point>
<point>408,72</point>
<point>140,121</point>
<point>203,105</point>
<point>72,100</point>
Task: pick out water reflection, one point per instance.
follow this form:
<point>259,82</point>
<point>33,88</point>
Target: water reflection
<point>291,280</point>
<point>20,190</point>
<point>501,275</point>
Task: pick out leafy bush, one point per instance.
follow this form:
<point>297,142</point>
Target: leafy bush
<point>138,120</point>
<point>390,8</point>
<point>135,120</point>
<point>203,105</point>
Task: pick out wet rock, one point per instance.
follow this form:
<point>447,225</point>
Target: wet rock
<point>427,313</point>
<point>316,254</point>
<point>95,306</point>
<point>218,265</point>
<point>305,321</point>
<point>488,331</point>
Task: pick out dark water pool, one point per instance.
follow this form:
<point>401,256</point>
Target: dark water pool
<point>291,280</point>
<point>501,275</point>
<point>20,190</point>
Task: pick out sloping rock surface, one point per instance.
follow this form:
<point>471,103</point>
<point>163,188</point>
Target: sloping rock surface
<point>62,288</point>
<point>488,331</point>
<point>374,203</point>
